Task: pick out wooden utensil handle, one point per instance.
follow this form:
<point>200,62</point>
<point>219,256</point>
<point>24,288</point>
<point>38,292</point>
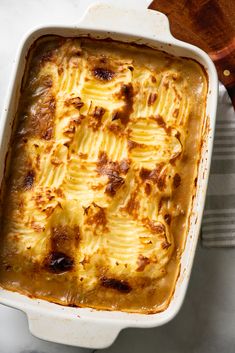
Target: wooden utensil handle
<point>231,92</point>
<point>224,62</point>
<point>208,24</point>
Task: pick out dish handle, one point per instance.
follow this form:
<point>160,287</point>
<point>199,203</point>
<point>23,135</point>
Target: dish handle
<point>140,23</point>
<point>74,331</point>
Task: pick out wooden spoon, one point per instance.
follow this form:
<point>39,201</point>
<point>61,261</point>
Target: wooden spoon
<point>210,25</point>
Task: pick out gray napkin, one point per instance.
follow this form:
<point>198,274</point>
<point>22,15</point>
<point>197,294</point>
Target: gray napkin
<point>218,225</point>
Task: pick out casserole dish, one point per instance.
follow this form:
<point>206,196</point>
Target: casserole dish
<point>86,327</point>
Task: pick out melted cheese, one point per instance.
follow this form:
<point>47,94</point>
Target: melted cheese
<point>102,154</point>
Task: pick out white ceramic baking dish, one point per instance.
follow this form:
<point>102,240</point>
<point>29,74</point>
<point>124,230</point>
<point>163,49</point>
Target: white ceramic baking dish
<point>87,327</point>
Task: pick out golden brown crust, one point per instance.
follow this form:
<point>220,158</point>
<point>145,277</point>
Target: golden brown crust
<point>102,174</point>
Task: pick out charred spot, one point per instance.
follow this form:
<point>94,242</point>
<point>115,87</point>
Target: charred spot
<point>176,180</point>
<point>102,161</point>
<point>126,94</point>
<point>167,218</point>
<point>77,53</point>
<point>115,116</point>
<point>103,60</point>
<point>7,267</point>
<point>165,245</point>
<point>119,115</point>
<point>96,215</point>
<point>153,79</point>
<point>157,175</point>
<point>59,193</point>
<point>119,285</point>
<point>86,209</point>
<point>177,135</point>
<point>95,120</point>
<point>48,211</point>
<point>133,205</point>
<point>29,180</point>
<point>47,135</point>
<point>78,120</point>
<point>60,70</point>
<point>142,262</point>
<point>163,200</point>
<point>155,227</point>
<point>103,74</point>
<point>49,195</point>
<point>152,98</point>
<point>145,173</point>
<point>195,182</point>
<point>131,68</point>
<point>115,182</point>
<point>58,262</point>
<point>76,102</point>
<point>99,112</point>
<point>175,76</point>
<point>113,171</point>
<point>160,121</point>
<point>147,189</point>
<point>124,166</point>
<point>85,260</point>
<point>42,201</point>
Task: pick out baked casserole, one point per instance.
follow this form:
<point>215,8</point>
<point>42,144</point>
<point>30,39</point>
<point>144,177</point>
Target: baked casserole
<point>101,174</point>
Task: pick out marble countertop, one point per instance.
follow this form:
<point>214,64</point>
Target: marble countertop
<point>206,322</point>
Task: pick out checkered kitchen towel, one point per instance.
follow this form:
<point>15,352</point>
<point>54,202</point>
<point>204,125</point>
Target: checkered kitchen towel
<point>218,226</point>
